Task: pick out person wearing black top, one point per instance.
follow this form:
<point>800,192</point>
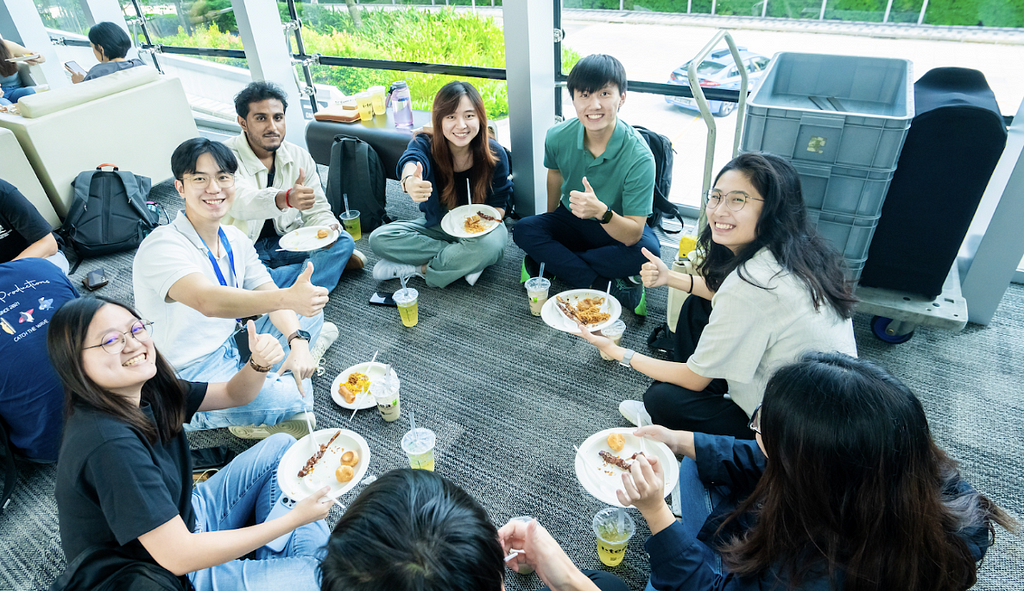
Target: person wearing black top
<point>124,470</point>
<point>23,231</point>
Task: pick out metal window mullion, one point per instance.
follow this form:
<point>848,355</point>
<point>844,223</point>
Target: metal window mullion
<point>293,13</point>
<point>145,33</point>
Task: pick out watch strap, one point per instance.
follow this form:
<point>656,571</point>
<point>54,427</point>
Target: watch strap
<point>299,334</point>
<point>607,217</point>
<point>627,358</point>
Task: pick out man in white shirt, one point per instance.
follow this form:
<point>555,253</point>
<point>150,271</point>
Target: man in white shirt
<point>198,281</point>
<point>278,190</point>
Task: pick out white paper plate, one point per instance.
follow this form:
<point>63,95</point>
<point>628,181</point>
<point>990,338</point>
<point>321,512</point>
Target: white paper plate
<point>304,239</point>
<point>23,58</point>
<point>602,480</point>
<point>454,223</point>
<point>295,458</point>
<point>363,399</point>
<point>554,318</point>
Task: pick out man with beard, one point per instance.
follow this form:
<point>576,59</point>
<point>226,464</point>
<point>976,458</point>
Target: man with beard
<point>278,190</point>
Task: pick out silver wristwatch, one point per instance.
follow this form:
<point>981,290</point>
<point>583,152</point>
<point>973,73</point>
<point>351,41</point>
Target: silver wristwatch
<point>627,357</point>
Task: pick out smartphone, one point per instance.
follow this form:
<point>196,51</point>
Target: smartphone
<point>73,67</point>
<point>383,299</point>
<point>95,279</point>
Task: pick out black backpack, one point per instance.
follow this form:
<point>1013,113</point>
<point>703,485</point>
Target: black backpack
<point>108,212</point>
<point>661,147</point>
<point>356,171</point>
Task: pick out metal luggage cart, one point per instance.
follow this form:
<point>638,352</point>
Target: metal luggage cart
<point>897,314</point>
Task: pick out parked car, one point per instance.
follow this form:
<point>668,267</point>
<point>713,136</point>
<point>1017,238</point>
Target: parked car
<point>719,71</point>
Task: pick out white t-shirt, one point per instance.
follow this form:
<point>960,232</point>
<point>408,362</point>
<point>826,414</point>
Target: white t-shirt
<point>753,331</point>
<point>183,334</point>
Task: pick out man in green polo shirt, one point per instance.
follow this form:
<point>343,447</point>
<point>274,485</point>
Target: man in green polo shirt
<point>600,192</point>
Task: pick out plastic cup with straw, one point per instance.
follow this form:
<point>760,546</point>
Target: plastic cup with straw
<point>418,444</point>
<point>355,410</point>
<point>350,220</point>
<point>537,290</point>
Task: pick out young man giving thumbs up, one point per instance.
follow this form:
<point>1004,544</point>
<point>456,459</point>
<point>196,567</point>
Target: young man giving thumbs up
<point>278,190</point>
<point>198,281</point>
<point>600,192</point>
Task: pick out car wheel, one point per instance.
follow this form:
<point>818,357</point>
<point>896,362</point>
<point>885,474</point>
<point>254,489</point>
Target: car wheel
<point>726,109</point>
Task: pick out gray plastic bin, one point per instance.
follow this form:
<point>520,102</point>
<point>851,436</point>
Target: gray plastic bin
<point>850,234</point>
<point>831,109</point>
<point>845,190</point>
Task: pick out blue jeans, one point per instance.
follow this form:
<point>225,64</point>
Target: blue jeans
<point>696,503</point>
<point>328,263</point>
<point>278,399</point>
<point>247,488</point>
<point>580,252</point>
<point>15,94</point>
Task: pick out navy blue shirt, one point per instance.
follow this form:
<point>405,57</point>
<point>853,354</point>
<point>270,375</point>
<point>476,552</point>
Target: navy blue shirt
<point>498,194</point>
<point>21,225</point>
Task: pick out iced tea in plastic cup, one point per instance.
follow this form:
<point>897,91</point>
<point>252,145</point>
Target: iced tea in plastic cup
<point>537,290</point>
<point>407,301</point>
<point>377,96</point>
<point>613,528</point>
<point>364,101</point>
<point>418,444</point>
<point>614,332</point>
<point>350,221</point>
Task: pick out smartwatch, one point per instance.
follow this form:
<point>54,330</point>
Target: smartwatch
<point>627,357</point>
<point>299,334</point>
<point>607,217</point>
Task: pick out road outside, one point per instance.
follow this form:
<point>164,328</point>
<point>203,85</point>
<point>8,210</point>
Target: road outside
<point>650,53</point>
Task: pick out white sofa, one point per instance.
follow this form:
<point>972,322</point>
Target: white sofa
<point>15,169</point>
<point>133,119</point>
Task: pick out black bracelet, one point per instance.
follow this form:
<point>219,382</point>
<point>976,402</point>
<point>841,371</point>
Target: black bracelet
<point>259,368</point>
<point>691,283</point>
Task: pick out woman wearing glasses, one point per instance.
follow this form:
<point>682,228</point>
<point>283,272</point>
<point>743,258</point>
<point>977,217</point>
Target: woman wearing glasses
<point>124,485</point>
<point>844,488</point>
<point>767,290</point>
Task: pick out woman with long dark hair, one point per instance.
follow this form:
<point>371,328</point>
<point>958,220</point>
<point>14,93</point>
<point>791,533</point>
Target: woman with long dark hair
<point>843,488</point>
<point>11,88</point>
<point>768,289</point>
<point>124,484</point>
<point>437,170</point>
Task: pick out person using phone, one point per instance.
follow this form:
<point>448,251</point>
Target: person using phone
<point>11,88</point>
<point>437,171</point>
<point>110,44</point>
<point>73,67</point>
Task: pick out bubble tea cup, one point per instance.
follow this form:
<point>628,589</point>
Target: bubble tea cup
<point>407,301</point>
<point>537,290</point>
<point>614,333</point>
<point>418,444</point>
<point>613,531</point>
<point>385,394</point>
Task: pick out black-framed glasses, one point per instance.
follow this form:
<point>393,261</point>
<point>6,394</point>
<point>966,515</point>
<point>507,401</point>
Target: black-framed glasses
<point>755,420</point>
<point>113,342</point>
<point>202,181</point>
<point>734,200</point>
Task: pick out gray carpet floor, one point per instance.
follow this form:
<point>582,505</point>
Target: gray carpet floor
<point>509,397</point>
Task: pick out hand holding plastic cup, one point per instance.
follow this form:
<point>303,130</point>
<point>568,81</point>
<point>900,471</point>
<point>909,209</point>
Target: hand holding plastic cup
<point>523,569</point>
<point>418,444</point>
<point>407,300</point>
<point>614,333</point>
<point>350,221</point>
<point>537,290</point>
<point>613,528</point>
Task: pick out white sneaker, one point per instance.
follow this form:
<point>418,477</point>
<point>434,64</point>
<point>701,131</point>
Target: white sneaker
<point>294,425</point>
<point>385,270</point>
<point>634,411</point>
<point>472,277</point>
<point>328,334</point>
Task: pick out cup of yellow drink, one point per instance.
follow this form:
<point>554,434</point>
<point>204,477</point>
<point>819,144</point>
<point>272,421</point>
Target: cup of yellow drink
<point>377,96</point>
<point>418,444</point>
<point>613,528</point>
<point>364,102</point>
<point>407,301</point>
<point>350,221</point>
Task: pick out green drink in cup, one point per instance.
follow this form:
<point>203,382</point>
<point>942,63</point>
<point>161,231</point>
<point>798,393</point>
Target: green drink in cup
<point>350,221</point>
<point>418,444</point>
<point>613,528</point>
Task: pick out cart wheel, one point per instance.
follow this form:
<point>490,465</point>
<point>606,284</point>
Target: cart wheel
<point>878,326</point>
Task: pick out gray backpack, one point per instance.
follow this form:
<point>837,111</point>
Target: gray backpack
<point>108,213</point>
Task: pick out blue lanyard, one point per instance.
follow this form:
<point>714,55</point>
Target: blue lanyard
<point>213,261</point>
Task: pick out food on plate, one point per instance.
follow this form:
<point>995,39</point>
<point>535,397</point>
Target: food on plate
<point>356,384</point>
<point>474,225</point>
<point>586,311</point>
<point>620,463</point>
<point>484,216</point>
<point>344,473</point>
<point>349,458</point>
<point>322,233</point>
<point>616,441</point>
<point>319,454</point>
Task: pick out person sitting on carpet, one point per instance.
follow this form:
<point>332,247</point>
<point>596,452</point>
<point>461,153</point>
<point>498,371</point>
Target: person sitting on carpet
<point>768,289</point>
<point>124,482</point>
<point>844,488</point>
<point>110,44</point>
<point>415,530</point>
<point>23,231</point>
<point>439,171</point>
<point>277,190</point>
<point>196,278</point>
<point>600,192</point>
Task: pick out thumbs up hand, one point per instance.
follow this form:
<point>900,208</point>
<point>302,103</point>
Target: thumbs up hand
<point>304,297</point>
<point>300,196</point>
<point>654,272</point>
<point>265,349</point>
<point>585,204</point>
<point>417,188</point>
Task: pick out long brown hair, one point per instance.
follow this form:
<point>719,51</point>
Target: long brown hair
<point>446,102</point>
<point>6,68</point>
<point>64,341</point>
<point>855,488</point>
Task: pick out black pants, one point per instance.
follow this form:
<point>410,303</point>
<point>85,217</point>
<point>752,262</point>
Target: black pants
<point>706,411</point>
<point>605,581</point>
